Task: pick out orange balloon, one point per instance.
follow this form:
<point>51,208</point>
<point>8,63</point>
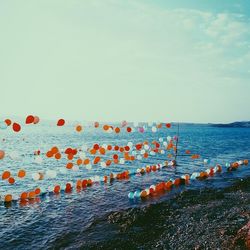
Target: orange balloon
<point>102,151</point>
<point>21,173</point>
<point>96,124</point>
<point>79,162</point>
<point>117,130</point>
<point>70,156</point>
<point>5,175</point>
<point>2,154</point>
<point>8,198</point>
<point>78,184</point>
<point>97,159</point>
<point>8,122</point>
<point>69,165</point>
<point>24,196</point>
<point>58,156</point>
<point>86,161</point>
<point>49,154</point>
<point>78,128</point>
<point>57,189</point>
<point>37,191</point>
<point>32,195</point>
<point>105,127</point>
<point>54,150</point>
<point>11,180</point>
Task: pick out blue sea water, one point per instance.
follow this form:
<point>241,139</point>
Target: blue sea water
<point>66,219</point>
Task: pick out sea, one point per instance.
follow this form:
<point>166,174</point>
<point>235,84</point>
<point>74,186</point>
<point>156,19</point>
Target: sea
<point>76,220</point>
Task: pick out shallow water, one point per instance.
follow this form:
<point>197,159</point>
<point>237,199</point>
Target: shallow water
<point>67,219</point>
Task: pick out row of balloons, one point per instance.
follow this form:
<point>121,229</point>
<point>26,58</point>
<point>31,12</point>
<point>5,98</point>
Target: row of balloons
<point>82,183</point>
<point>184,179</point>
<point>152,190</point>
<point>31,119</point>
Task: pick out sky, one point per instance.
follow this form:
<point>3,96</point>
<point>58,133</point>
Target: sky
<point>110,60</point>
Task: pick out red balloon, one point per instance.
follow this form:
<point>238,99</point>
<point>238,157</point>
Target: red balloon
<point>60,122</point>
<point>29,119</point>
<point>16,127</point>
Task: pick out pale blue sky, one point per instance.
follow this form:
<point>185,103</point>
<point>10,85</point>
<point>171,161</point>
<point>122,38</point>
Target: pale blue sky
<point>135,60</point>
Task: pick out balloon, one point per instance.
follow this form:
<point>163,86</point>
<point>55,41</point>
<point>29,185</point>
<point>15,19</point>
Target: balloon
<point>96,124</point>
<point>103,164</point>
<point>169,138</point>
<point>29,119</point>
<point>131,195</point>
<point>122,161</point>
<point>141,129</point>
<point>168,125</point>
<point>35,176</point>
<point>3,125</point>
<point>8,122</point>
<point>154,129</point>
<point>36,119</point>
<point>5,175</point>
<point>124,124</point>
<point>129,130</point>
<point>8,198</point>
<point>160,139</point>
<point>21,173</point>
<point>137,194</point>
<point>130,144</point>
<point>11,180</point>
<point>2,154</point>
<point>117,130</point>
<point>78,128</point>
<point>16,127</point>
<point>60,122</point>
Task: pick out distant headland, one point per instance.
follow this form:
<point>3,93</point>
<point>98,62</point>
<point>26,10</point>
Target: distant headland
<point>245,124</point>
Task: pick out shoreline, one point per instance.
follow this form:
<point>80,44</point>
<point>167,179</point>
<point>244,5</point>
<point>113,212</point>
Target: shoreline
<point>194,219</point>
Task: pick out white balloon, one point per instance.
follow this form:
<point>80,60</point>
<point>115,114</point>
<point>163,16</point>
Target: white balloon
<point>103,164</point>
<point>146,147</point>
<point>143,152</point>
<point>130,144</point>
<point>162,152</point>
<point>165,143</point>
<point>122,161</point>
<point>105,146</point>
<point>154,129</point>
<point>35,176</point>
<point>160,139</point>
<point>139,157</point>
<point>169,138</point>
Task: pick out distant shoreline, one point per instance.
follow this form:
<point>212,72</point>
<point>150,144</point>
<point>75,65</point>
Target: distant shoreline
<point>233,125</point>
